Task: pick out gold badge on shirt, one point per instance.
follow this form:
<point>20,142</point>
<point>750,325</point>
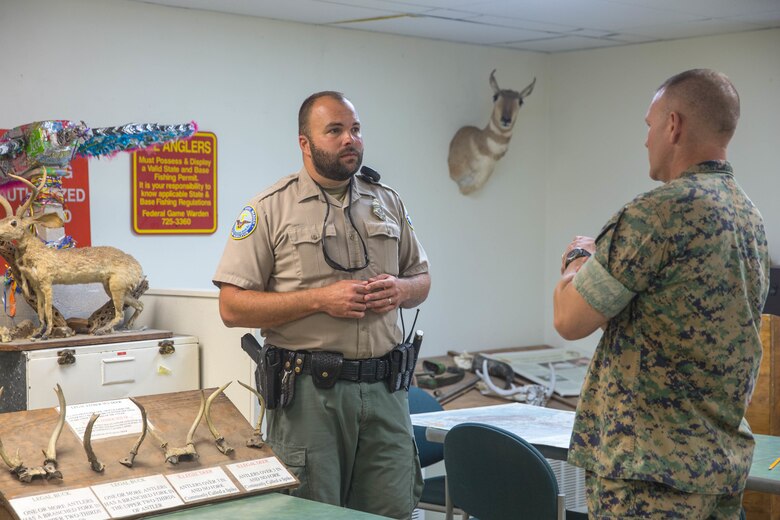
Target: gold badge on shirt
<point>378,210</point>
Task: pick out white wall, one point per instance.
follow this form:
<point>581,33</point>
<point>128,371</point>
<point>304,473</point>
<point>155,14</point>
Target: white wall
<point>113,61</point>
<point>598,162</point>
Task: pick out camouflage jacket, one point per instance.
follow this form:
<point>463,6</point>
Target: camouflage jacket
<point>682,273</point>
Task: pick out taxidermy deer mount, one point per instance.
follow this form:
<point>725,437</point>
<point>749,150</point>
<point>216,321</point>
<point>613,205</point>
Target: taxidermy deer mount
<point>473,151</point>
<point>37,267</point>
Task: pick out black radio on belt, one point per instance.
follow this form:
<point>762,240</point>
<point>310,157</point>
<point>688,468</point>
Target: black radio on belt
<point>402,359</point>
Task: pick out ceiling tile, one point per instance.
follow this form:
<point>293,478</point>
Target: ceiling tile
<point>591,14</point>
<point>562,44</point>
<point>693,29</point>
<point>706,8</point>
<point>441,29</point>
<point>585,23</point>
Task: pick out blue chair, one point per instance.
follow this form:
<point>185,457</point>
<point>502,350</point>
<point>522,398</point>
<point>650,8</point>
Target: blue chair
<point>494,475</point>
<point>434,495</point>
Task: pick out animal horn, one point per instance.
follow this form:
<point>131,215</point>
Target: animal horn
<point>256,441</point>
<point>128,461</point>
<point>527,90</point>
<point>6,206</point>
<point>51,451</point>
<point>222,445</point>
<point>493,82</point>
<point>35,189</point>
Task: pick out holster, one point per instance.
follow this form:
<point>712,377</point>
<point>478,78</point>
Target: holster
<point>402,359</point>
<point>269,367</point>
<point>325,368</point>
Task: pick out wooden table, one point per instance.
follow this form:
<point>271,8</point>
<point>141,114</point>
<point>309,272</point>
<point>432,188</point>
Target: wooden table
<point>171,414</point>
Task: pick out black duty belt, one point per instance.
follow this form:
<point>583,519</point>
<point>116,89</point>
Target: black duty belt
<point>368,370</point>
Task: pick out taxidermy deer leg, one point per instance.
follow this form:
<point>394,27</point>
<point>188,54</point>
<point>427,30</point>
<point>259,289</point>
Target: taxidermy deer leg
<point>136,305</point>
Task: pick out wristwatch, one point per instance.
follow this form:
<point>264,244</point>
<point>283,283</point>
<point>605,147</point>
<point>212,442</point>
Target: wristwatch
<point>575,253</point>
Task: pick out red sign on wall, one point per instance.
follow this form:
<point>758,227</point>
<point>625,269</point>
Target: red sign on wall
<point>76,197</point>
<point>175,187</point>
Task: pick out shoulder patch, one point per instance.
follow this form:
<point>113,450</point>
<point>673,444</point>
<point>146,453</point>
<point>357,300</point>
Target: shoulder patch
<point>244,224</point>
<point>409,221</point>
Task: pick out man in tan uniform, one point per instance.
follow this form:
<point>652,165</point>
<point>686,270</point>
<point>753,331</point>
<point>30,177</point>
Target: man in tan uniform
<point>320,262</point>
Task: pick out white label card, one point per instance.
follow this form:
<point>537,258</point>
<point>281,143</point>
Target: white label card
<point>71,504</point>
<point>138,495</point>
<point>261,473</point>
<point>202,483</point>
<point>117,418</point>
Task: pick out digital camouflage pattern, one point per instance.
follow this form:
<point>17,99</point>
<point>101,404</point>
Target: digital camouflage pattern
<point>682,272</point>
<point>634,499</point>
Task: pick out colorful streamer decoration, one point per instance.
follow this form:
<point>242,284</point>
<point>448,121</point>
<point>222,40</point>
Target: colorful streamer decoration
<point>55,143</point>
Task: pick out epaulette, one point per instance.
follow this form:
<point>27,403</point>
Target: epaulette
<point>276,187</point>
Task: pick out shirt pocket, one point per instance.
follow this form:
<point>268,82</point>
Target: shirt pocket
<point>382,240</point>
<point>306,241</point>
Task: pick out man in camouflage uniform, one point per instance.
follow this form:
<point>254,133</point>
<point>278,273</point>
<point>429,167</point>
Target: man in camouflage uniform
<point>677,278</point>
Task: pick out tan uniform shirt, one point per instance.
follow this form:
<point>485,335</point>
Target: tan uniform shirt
<point>276,245</point>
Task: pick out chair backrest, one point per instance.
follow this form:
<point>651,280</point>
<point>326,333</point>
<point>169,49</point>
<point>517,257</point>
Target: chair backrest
<point>493,474</point>
<point>421,401</point>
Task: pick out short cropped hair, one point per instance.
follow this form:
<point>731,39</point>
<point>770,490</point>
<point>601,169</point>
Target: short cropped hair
<point>305,110</point>
<point>707,96</point>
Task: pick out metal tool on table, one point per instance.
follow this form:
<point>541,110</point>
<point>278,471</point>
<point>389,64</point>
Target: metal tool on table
<point>436,375</point>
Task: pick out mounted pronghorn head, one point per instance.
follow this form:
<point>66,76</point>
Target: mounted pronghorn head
<point>507,103</point>
<point>473,151</point>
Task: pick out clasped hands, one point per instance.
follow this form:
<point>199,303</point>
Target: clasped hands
<point>352,298</point>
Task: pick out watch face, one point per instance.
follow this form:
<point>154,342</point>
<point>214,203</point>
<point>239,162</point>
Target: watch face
<point>575,253</point>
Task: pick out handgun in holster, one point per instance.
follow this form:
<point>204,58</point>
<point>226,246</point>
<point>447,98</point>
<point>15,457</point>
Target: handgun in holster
<point>269,366</point>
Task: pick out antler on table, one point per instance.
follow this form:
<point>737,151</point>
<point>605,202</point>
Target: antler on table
<point>94,463</point>
<point>128,461</point>
<point>222,446</point>
<point>256,441</point>
<point>49,468</point>
<point>50,454</point>
<point>187,452</point>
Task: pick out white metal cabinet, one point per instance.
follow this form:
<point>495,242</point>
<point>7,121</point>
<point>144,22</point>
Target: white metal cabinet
<point>111,371</point>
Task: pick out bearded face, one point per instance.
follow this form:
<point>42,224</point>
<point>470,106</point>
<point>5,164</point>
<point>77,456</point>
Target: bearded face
<point>337,166</point>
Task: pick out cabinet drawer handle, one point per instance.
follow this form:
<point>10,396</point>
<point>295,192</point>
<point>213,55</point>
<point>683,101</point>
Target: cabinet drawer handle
<point>166,347</point>
<point>66,357</point>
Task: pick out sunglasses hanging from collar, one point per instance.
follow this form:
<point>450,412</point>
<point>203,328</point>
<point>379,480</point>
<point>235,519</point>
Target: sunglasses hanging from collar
<point>328,260</point>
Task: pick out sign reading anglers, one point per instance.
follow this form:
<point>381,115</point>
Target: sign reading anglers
<point>175,187</point>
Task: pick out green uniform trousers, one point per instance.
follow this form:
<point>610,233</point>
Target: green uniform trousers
<point>351,445</point>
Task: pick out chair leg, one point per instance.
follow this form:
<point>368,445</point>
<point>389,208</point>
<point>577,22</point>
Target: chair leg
<point>561,507</point>
<point>448,513</point>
